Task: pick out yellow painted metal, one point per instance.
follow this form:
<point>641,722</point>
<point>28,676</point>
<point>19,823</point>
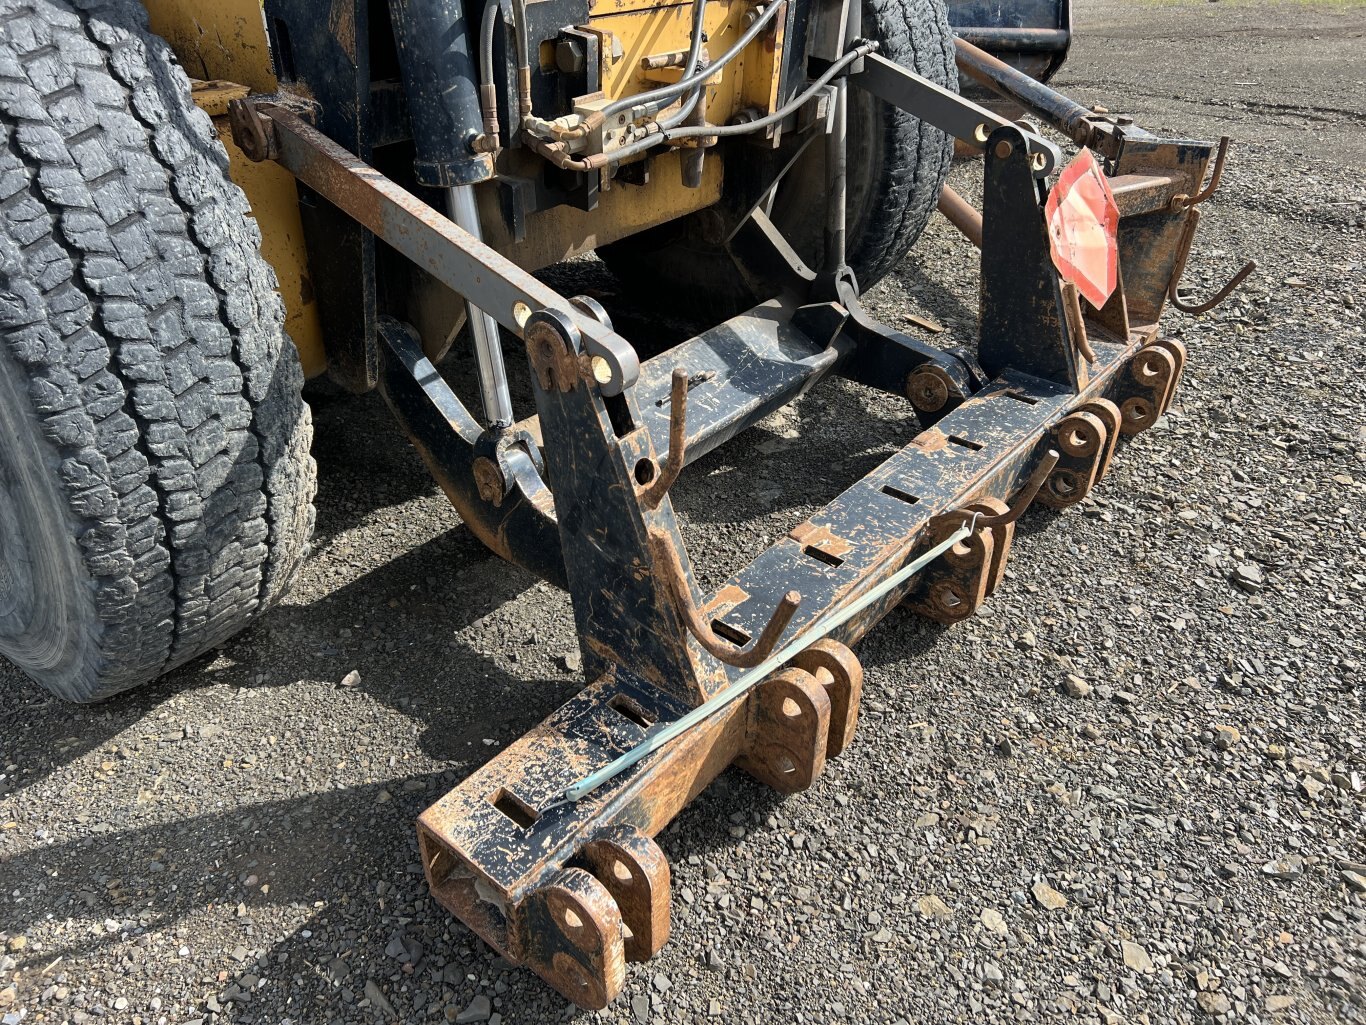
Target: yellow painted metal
<point>218,39</point>
<point>564,232</point>
<point>641,29</point>
<point>222,46</point>
<point>225,42</point>
<point>274,199</point>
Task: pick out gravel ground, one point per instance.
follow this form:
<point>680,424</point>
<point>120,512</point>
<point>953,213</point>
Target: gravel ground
<point>1130,791</point>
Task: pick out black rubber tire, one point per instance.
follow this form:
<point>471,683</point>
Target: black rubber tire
<point>897,167</point>
<point>155,480</point>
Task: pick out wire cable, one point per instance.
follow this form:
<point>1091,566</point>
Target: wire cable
<point>787,110</point>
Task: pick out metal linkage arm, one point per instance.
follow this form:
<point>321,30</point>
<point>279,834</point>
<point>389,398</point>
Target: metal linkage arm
<point>1064,114</point>
<point>426,236</point>
<point>945,109</point>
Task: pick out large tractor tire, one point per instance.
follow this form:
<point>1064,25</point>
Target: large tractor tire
<point>155,480</point>
<point>896,169</point>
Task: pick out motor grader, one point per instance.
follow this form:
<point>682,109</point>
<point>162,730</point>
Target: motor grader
<point>205,204</point>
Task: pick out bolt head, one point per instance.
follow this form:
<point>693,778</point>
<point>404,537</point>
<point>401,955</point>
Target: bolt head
<point>569,56</point>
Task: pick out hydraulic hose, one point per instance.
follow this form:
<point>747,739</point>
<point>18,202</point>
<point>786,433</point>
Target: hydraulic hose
<point>796,103</point>
<point>560,157</point>
<point>699,30</point>
<point>523,59</point>
<point>488,93</point>
<point>681,115</point>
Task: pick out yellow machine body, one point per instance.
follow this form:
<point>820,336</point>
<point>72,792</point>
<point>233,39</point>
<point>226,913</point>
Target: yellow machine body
<point>630,32</point>
<point>222,46</point>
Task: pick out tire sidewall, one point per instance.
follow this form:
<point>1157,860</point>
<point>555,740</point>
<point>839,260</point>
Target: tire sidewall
<point>46,595</point>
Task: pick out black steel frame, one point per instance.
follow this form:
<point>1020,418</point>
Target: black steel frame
<point>1042,404</point>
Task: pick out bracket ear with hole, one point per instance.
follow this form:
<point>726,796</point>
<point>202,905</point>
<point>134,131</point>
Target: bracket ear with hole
<point>788,731</point>
<point>955,587</point>
<point>1147,390</point>
<point>1083,442</point>
<point>836,668</point>
<point>570,933</point>
<point>614,362</point>
<point>634,871</point>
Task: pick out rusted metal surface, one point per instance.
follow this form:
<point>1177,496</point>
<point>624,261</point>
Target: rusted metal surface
<point>1138,194</point>
<point>668,565</point>
<point>1023,318</point>
<point>1179,270</point>
<point>250,131</point>
<point>1145,392</point>
<point>660,479</point>
<point>1066,115</point>
<point>787,730</point>
<point>1111,419</point>
<point>568,881</point>
<point>636,873</point>
<point>956,588</point>
<point>931,390</point>
<point>962,215</point>
<point>835,667</point>
<point>435,243</point>
<point>951,112</point>
<point>1082,440</point>
<point>500,862</point>
<point>1076,324</point>
<point>493,843</point>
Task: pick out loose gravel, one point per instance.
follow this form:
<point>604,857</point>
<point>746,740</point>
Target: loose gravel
<point>1129,791</point>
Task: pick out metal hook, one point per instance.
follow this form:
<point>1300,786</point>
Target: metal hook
<point>1017,508</point>
<point>651,496</point>
<point>668,564</point>
<point>1180,203</point>
<point>1179,270</point>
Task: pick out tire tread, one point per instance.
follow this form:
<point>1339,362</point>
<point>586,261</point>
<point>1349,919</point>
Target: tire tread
<point>134,296</point>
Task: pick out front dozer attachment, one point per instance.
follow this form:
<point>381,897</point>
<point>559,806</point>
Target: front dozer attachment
<point>546,852</point>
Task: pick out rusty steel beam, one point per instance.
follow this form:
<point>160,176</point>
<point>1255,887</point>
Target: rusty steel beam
<point>431,240</point>
<point>560,874</point>
<point>1064,114</point>
<point>574,890</point>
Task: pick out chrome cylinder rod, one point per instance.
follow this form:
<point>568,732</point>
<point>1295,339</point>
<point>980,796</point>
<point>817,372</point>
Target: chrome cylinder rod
<point>488,348</point>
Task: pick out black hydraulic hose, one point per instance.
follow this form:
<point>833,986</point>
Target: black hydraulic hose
<point>699,30</point>
<point>488,92</point>
<point>802,98</point>
<point>694,78</point>
<point>523,59</point>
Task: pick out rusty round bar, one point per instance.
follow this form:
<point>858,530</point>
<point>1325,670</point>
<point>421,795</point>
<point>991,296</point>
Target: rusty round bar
<point>1067,116</point>
<point>962,215</point>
